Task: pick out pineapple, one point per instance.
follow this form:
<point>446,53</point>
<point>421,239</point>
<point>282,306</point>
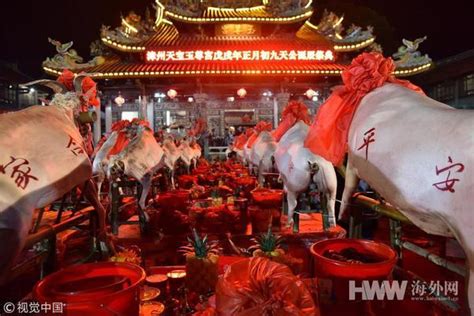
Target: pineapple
<point>201,264</point>
<point>267,245</point>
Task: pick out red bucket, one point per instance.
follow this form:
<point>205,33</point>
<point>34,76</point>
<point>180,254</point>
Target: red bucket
<point>104,288</point>
<point>326,267</point>
<point>338,273</point>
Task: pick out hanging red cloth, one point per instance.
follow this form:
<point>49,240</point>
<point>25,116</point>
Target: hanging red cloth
<point>328,134</point>
<point>260,127</point>
<point>295,111</point>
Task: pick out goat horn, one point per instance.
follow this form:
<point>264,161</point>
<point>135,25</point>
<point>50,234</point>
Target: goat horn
<point>78,81</point>
<point>57,87</point>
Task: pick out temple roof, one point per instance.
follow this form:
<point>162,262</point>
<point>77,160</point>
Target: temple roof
<point>118,69</point>
<point>252,14</point>
<point>166,34</point>
<point>161,49</point>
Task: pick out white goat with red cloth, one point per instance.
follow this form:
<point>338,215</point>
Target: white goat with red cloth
<point>296,163</point>
<point>417,153</point>
<point>171,156</point>
<point>238,144</point>
<point>43,157</point>
<point>262,149</point>
<point>187,153</point>
<point>130,150</point>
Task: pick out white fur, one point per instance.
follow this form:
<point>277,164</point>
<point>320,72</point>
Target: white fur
<point>262,152</point>
<point>291,158</point>
<point>414,135</point>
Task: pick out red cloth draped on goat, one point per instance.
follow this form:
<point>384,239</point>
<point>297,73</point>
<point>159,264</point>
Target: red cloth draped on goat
<point>260,127</point>
<point>88,88</point>
<point>199,127</point>
<point>240,141</point>
<point>249,132</point>
<point>328,134</point>
<point>67,79</point>
<point>123,139</point>
<point>295,111</point>
<point>89,92</point>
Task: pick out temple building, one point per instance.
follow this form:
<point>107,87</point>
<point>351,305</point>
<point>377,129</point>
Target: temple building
<point>451,81</point>
<point>231,62</point>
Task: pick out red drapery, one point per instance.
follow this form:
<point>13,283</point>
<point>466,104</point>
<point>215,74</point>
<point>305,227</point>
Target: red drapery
<point>328,134</point>
<point>260,127</point>
<point>295,111</point>
<point>123,139</point>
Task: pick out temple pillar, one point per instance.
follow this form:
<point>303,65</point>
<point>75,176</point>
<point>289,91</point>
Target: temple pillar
<point>108,117</point>
<point>150,115</point>
<point>97,125</point>
<point>282,100</point>
<point>142,107</point>
<point>275,112</point>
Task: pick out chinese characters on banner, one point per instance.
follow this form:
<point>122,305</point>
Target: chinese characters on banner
<point>18,169</point>
<point>367,140</point>
<point>240,55</point>
<point>448,183</point>
<point>74,147</point>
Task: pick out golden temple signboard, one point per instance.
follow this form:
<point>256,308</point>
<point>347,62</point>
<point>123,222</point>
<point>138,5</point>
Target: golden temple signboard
<point>233,29</point>
<point>239,55</point>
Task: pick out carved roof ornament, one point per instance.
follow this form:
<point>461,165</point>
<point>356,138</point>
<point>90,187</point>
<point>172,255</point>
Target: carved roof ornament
<point>132,30</point>
<point>375,47</point>
<point>97,48</point>
<point>185,7</point>
<point>408,55</point>
<point>286,7</point>
<point>331,27</point>
<point>67,57</point>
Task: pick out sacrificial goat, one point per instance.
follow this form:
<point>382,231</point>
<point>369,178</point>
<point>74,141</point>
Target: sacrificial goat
<point>43,157</point>
<point>297,165</point>
<point>417,153</point>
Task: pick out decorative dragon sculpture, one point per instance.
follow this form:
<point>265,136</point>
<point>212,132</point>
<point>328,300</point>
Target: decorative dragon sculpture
<point>67,57</point>
<point>331,27</point>
<point>133,29</point>
<point>409,56</point>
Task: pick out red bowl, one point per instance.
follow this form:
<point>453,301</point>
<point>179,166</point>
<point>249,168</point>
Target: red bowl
<point>103,288</point>
<point>330,268</point>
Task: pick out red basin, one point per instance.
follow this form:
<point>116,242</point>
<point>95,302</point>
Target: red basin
<point>267,197</point>
<point>104,288</point>
<point>175,199</point>
<point>330,268</point>
<point>186,181</point>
